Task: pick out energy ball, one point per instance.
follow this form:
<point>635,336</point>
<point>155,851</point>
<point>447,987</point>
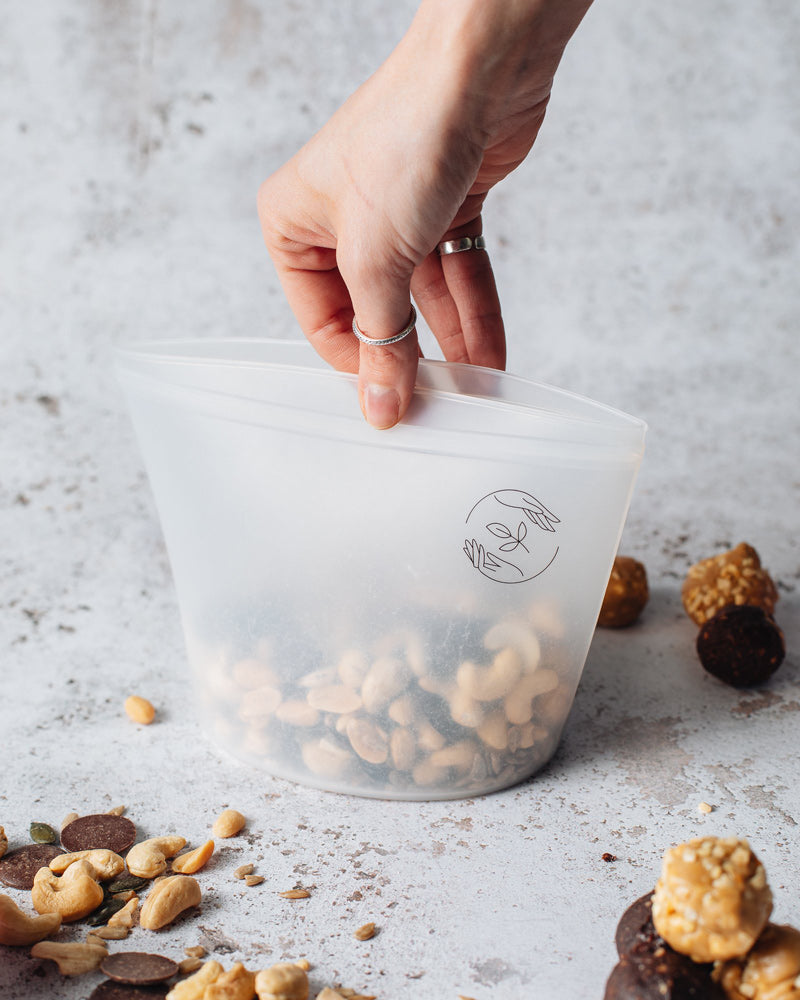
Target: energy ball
<point>741,645</point>
<point>626,594</point>
<point>712,900</point>
<point>733,577</point>
<point>769,971</point>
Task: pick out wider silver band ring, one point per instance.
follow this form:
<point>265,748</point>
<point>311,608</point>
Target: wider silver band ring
<point>412,322</point>
<point>459,246</point>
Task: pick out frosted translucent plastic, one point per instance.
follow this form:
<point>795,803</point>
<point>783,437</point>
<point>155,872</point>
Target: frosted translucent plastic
<point>403,613</point>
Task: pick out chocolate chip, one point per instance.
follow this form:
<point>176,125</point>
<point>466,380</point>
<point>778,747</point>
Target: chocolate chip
<point>109,990</point>
<point>18,867</point>
<point>101,830</point>
<point>741,645</point>
<point>138,967</point>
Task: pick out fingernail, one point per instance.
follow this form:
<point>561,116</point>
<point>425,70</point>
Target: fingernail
<point>381,406</point>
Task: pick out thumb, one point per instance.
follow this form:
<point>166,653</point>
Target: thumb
<point>386,374</point>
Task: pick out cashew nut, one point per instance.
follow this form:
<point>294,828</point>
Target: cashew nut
<point>282,981</point>
<point>168,899</point>
<point>74,895</point>
<point>106,864</point>
<point>73,958</point>
<point>148,858</point>
<point>235,984</point>
<point>384,681</point>
<point>16,927</point>
<point>490,683</point>
<point>193,861</point>
<point>194,988</point>
<point>517,635</point>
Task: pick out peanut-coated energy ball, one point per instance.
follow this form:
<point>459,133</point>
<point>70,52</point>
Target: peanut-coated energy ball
<point>626,594</point>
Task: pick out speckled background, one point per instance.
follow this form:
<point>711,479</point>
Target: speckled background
<point>647,255</point>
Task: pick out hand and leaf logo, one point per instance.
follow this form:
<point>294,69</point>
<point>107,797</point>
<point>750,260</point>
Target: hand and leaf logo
<point>503,547</point>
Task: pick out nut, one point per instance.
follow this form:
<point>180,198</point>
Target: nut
<point>733,577</point>
<point>73,958</point>
<point>243,870</point>
<point>194,988</point>
<point>369,741</point>
<point>326,758</point>
<point>106,864</point>
<point>712,900</point>
<point>228,824</point>
<point>168,899</point>
<point>520,637</point>
<point>148,858</point>
<point>626,594</point>
<point>74,895</point>
<point>252,673</point>
<point>139,710</point>
<point>282,981</point>
<point>17,928</point>
<point>124,917</point>
<point>260,703</point>
<point>365,932</point>
<point>493,682</point>
<point>385,680</point>
<point>235,984</point>
<point>68,819</point>
<point>769,971</point>
<point>193,861</point>
<point>3,842</point>
<point>297,713</point>
<point>335,698</point>
<point>518,703</point>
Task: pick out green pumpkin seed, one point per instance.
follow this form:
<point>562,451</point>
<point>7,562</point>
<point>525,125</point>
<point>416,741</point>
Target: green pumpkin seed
<point>125,883</point>
<point>42,833</point>
<point>104,912</point>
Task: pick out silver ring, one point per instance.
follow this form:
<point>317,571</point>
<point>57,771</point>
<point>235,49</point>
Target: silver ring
<point>412,322</point>
<point>459,246</point>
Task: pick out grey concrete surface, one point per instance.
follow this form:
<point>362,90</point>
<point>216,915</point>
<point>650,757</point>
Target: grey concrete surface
<point>647,255</point>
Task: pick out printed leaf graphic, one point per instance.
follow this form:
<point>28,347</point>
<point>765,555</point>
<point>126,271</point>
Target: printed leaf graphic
<point>499,530</point>
<point>522,531</point>
<point>509,546</point>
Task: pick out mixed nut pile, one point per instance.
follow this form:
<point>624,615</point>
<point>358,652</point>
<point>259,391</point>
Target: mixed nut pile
<point>385,719</point>
<point>704,931</point>
<point>98,875</point>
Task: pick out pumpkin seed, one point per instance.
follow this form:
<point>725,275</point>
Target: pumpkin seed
<point>106,910</point>
<point>42,833</point>
<point>125,883</point>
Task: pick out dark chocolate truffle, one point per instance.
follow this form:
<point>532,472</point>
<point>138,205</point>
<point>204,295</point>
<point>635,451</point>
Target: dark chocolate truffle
<point>741,645</point>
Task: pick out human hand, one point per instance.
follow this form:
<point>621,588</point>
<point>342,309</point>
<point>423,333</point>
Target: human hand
<point>353,220</point>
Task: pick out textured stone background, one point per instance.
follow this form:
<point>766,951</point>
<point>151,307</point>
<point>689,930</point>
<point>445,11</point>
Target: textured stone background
<point>647,255</point>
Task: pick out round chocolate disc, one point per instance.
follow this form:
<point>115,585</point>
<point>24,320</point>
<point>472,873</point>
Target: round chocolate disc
<point>138,967</point>
<point>101,830</point>
<point>741,645</point>
<point>109,990</point>
<point>659,973</point>
<point>635,924</point>
<point>18,867</point>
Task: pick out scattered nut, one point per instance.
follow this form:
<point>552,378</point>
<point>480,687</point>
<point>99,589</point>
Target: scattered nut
<point>117,811</point>
<point>194,988</point>
<point>295,894</point>
<point>243,870</point>
<point>282,981</point>
<point>365,932</point>
<point>73,958</point>
<point>704,807</point>
<point>195,951</point>
<point>139,710</point>
<point>712,900</point>
<point>148,858</point>
<point>74,895</point>
<point>193,861</point>
<point>235,984</point>
<point>228,824</point>
<point>303,963</point>
<point>733,577</point>
<point>17,928</point>
<point>168,899</point>
<point>110,933</point>
<point>3,842</point>
<point>188,965</point>
<point>105,864</point>
<point>253,879</point>
<point>626,594</point>
<point>124,917</point>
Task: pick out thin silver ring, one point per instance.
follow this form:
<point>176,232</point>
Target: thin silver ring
<point>459,246</point>
<point>412,322</point>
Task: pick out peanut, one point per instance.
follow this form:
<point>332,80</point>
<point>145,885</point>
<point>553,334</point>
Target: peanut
<point>139,710</point>
<point>228,824</point>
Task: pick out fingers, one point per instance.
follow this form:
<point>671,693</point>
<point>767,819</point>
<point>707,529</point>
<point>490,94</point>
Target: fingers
<point>381,301</point>
<point>458,297</point>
